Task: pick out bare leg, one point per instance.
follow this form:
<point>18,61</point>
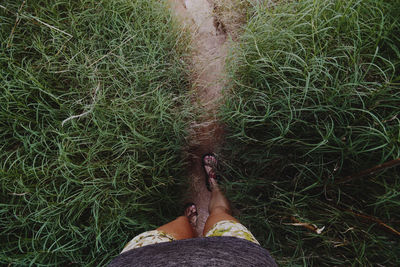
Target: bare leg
<point>183,226</point>
<point>219,207</point>
<point>219,210</point>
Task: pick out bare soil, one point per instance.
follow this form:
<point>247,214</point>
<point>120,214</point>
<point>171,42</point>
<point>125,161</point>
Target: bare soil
<point>209,50</point>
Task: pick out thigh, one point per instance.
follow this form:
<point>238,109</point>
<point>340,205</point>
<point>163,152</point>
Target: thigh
<point>179,228</point>
<point>223,224</point>
<point>217,216</point>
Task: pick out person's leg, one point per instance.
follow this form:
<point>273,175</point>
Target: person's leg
<point>183,226</point>
<point>219,207</point>
<point>180,228</point>
<point>220,222</point>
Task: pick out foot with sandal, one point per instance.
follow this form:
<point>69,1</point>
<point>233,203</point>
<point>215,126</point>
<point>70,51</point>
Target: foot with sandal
<point>221,230</point>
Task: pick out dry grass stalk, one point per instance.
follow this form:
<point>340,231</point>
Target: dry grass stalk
<point>374,219</point>
<point>370,171</point>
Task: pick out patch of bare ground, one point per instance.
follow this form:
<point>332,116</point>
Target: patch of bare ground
<point>232,14</point>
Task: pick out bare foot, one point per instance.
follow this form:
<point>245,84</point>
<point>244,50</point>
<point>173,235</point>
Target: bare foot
<point>210,167</point>
<point>191,213</point>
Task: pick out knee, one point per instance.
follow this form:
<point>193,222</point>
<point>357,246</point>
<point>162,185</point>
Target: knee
<point>182,219</point>
<point>220,210</point>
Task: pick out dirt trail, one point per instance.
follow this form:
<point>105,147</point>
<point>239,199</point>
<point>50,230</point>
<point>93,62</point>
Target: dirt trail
<point>209,49</point>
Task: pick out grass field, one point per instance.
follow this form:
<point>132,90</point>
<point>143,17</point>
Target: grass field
<point>314,97</point>
<point>93,113</point>
<point>74,191</point>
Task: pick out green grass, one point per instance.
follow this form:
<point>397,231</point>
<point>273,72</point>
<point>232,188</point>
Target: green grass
<point>315,96</point>
<point>75,193</point>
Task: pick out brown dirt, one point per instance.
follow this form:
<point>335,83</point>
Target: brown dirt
<point>209,51</point>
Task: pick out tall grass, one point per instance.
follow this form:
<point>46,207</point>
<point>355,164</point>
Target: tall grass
<point>315,96</point>
<point>74,191</point>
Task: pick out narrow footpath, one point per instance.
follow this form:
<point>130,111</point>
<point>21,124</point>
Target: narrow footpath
<point>209,51</point>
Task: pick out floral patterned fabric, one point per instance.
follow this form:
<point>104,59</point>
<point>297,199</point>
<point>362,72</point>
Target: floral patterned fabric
<point>233,229</point>
<point>222,228</point>
<point>148,238</point>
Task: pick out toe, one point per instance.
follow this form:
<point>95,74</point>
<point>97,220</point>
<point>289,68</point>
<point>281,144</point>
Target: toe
<point>210,160</point>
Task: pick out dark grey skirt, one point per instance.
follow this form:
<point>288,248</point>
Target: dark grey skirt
<point>205,251</point>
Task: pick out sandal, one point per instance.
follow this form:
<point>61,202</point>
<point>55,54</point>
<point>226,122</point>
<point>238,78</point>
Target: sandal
<point>190,211</point>
<point>212,173</point>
